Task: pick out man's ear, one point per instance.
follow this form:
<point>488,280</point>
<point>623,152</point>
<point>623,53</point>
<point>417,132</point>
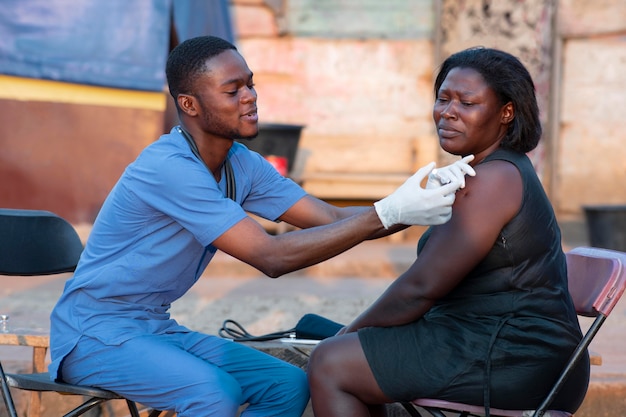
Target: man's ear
<point>187,104</point>
<point>508,113</point>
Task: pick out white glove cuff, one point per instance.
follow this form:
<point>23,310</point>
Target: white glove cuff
<point>384,215</point>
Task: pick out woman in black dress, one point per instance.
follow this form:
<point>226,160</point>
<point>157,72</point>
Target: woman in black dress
<point>483,316</point>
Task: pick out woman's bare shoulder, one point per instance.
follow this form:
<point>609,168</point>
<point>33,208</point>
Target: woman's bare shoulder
<point>495,190</point>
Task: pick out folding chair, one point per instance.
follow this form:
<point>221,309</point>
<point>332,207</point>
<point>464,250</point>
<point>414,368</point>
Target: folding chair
<point>34,242</point>
<point>596,279</point>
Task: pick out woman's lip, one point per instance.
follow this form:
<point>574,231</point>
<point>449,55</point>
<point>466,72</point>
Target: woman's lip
<point>443,132</point>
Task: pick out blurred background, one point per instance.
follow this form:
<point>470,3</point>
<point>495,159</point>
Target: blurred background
<point>83,90</point>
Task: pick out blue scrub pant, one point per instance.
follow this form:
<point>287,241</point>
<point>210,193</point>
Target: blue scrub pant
<point>194,374</point>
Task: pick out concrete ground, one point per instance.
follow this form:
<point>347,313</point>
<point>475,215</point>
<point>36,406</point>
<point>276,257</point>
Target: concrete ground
<point>338,289</point>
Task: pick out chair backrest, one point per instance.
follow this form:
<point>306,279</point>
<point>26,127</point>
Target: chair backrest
<point>596,279</point>
<point>35,242</point>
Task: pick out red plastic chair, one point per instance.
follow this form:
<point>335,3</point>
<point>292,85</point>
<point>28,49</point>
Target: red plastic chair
<point>596,279</point>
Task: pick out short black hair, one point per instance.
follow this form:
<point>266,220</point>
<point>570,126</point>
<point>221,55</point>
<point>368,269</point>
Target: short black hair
<point>187,62</point>
<point>511,82</point>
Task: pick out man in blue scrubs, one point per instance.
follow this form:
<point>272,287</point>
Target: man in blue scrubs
<point>162,223</point>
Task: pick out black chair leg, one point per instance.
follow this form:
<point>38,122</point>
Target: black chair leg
<point>6,395</point>
<point>84,407</point>
<point>411,410</point>
<point>435,412</point>
<point>132,408</point>
<point>8,402</point>
<point>438,413</point>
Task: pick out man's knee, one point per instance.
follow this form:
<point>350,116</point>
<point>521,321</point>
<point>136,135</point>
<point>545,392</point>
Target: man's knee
<point>283,391</point>
<point>217,397</point>
<point>298,385</point>
<point>295,393</point>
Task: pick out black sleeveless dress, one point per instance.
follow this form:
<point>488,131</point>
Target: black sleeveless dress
<point>502,336</point>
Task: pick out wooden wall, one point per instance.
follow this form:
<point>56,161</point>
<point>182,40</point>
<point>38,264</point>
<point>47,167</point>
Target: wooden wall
<point>63,146</point>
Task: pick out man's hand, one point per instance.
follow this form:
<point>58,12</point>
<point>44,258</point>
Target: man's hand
<point>411,204</point>
<point>447,174</point>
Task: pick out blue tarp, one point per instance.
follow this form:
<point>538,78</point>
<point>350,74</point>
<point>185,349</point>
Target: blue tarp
<point>114,43</point>
<point>203,17</point>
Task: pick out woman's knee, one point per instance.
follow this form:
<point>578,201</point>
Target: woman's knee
<point>336,360</point>
<point>321,362</point>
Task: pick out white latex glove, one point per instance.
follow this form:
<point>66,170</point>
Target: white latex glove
<point>411,204</point>
<point>455,171</point>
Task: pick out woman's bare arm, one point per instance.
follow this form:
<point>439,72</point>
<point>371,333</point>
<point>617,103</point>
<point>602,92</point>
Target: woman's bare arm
<point>482,208</point>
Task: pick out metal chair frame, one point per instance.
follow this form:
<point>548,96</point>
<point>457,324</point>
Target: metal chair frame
<point>35,242</point>
<point>596,279</point>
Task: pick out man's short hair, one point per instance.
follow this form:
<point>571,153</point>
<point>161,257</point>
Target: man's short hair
<point>187,62</point>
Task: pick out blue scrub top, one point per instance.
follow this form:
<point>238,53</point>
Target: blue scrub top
<point>152,240</point>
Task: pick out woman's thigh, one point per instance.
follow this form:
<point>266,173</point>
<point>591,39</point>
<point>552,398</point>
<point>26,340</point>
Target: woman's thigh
<point>340,363</point>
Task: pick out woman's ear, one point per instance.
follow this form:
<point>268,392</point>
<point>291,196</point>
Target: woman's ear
<point>508,113</point>
<point>187,104</point>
